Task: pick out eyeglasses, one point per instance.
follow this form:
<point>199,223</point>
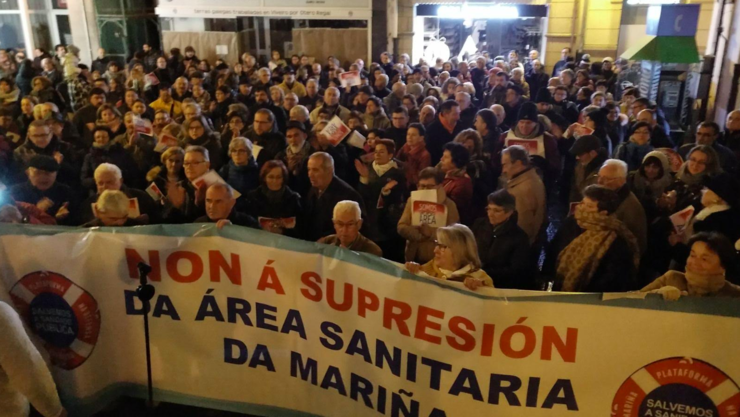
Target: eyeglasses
<point>440,246</point>
<point>187,164</point>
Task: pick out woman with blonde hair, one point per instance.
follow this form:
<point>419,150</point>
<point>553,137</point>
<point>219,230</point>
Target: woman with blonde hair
<point>455,259</point>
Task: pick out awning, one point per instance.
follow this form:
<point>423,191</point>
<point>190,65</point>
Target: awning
<point>667,49</point>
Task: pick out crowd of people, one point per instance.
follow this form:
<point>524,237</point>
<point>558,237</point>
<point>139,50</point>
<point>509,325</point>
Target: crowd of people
<point>502,143</point>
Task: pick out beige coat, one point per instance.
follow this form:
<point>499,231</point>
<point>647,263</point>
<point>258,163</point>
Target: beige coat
<point>678,280</point>
<point>531,204</point>
<point>419,247</point>
<point>632,214</point>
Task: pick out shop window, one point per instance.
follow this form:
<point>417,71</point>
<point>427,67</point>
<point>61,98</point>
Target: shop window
<point>9,5</point>
<point>11,34</point>
<point>36,4</point>
<point>220,25</point>
<point>64,28</point>
<point>41,31</point>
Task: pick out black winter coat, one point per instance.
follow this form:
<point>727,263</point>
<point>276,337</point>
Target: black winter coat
<point>505,254</point>
<point>316,220</point>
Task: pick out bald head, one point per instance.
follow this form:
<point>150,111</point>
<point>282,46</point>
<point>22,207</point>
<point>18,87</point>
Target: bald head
<point>647,116</point>
<point>426,115</point>
<point>733,121</point>
<point>219,201</point>
<point>399,89</point>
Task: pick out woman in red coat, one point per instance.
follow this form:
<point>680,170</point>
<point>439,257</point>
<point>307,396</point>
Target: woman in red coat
<point>457,183</point>
<point>414,154</point>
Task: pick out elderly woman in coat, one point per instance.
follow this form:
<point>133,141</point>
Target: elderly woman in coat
<point>712,257</point>
<point>455,259</point>
<point>503,246</point>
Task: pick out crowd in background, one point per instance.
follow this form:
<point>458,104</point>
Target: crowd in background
<point>508,148</point>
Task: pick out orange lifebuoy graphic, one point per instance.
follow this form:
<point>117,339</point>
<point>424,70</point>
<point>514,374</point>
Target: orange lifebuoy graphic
<point>677,387</point>
<point>61,313</point>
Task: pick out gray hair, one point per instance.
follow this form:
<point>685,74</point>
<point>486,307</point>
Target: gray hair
<point>327,162</point>
<point>112,202</point>
<point>193,105</point>
<point>265,69</point>
<point>460,240</point>
<point>299,109</point>
<point>108,167</point>
<point>241,141</point>
<point>222,186</point>
<point>348,206</point>
<point>198,149</point>
<point>517,153</point>
<point>385,78</point>
<point>620,165</point>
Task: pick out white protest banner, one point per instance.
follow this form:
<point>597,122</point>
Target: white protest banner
<point>252,322</point>
<point>350,78</point>
<point>335,130</point>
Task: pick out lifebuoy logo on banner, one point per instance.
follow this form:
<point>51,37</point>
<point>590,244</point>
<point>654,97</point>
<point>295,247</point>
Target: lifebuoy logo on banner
<point>677,387</point>
<point>61,313</point>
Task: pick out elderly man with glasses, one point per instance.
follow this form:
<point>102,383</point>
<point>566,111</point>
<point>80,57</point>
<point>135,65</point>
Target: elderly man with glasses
<point>613,175</point>
<point>347,221</point>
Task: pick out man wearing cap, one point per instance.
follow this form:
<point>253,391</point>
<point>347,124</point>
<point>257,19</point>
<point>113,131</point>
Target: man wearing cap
<point>43,191</point>
<point>513,103</point>
<point>289,85</point>
<point>295,157</point>
<point>544,104</point>
<point>591,155</point>
<point>529,133</point>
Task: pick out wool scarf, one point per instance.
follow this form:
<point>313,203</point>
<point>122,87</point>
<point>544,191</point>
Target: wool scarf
<point>703,284</point>
<point>578,262</point>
